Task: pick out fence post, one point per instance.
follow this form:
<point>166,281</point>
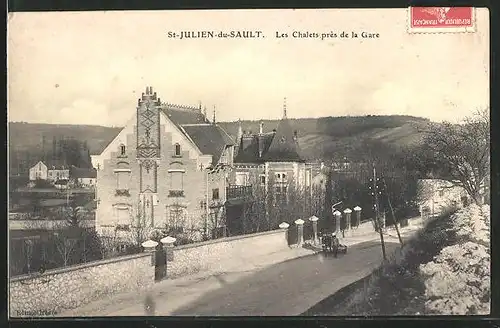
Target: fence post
<point>284,226</point>
<point>337,215</point>
<point>357,210</point>
<point>314,221</point>
<point>347,213</point>
<point>300,234</point>
<point>168,244</point>
<point>150,247</point>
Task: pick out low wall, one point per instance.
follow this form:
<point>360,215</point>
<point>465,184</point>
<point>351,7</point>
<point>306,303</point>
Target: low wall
<point>226,253</point>
<point>71,287</point>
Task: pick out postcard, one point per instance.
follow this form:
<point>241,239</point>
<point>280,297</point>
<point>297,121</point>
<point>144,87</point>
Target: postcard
<point>313,162</point>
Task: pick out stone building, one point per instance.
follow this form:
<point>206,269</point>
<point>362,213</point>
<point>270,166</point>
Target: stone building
<point>168,166</point>
<point>270,161</point>
<point>52,170</point>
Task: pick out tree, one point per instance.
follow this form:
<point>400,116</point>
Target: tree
<point>140,229</point>
<point>464,149</point>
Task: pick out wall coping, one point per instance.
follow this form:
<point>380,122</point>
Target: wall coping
<point>57,271</point>
<point>226,239</point>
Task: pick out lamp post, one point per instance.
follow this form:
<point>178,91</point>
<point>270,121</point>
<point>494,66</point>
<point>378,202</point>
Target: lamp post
<point>357,210</point>
<point>314,221</point>
<point>300,230</point>
<point>337,216</point>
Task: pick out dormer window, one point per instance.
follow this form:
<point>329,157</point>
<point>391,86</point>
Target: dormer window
<point>177,150</point>
<point>122,150</point>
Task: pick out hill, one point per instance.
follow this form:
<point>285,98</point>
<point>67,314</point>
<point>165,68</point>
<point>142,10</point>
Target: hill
<point>320,138</point>
<point>29,136</point>
<point>334,137</point>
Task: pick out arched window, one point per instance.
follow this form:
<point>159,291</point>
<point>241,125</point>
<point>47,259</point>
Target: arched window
<point>122,150</point>
<point>177,151</point>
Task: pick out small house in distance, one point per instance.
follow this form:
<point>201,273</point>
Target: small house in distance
<point>50,170</point>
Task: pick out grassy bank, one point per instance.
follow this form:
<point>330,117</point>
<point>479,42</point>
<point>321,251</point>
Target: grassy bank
<point>443,269</point>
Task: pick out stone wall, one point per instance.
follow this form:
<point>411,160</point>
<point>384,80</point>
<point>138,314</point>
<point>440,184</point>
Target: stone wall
<point>71,287</point>
<point>226,253</point>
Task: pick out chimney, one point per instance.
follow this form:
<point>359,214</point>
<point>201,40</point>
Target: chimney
<point>213,121</point>
<point>240,130</point>
<point>260,139</point>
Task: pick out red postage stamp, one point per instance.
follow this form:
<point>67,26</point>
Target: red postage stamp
<point>441,19</point>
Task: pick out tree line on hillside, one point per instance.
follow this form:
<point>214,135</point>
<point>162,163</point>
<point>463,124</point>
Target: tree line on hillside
<point>63,151</point>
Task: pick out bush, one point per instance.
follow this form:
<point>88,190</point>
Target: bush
<point>457,281</point>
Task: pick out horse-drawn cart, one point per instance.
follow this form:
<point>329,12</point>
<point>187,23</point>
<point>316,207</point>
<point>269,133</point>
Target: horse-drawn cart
<point>330,244</point>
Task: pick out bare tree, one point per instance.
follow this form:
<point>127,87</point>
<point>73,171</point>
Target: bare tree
<point>65,240</point>
<point>465,150</point>
<point>140,229</point>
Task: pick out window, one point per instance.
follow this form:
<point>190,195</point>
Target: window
<point>176,218</point>
<point>262,179</point>
<point>176,178</point>
<point>281,187</point>
<point>215,194</point>
<point>281,177</point>
<point>122,216</point>
<point>122,181</point>
<point>177,151</point>
<point>122,150</point>
<point>241,179</point>
<point>441,193</point>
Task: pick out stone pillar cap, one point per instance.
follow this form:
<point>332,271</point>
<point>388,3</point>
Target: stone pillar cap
<point>357,208</point>
<point>347,211</point>
<point>284,225</point>
<point>337,213</point>
<point>313,218</point>
<point>168,240</point>
<point>149,244</point>
<point>299,221</point>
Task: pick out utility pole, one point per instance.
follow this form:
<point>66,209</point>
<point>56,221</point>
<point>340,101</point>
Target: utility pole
<point>377,219</point>
<point>392,211</point>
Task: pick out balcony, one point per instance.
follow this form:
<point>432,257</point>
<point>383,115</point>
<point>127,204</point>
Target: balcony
<point>122,192</point>
<point>176,193</point>
<point>238,192</point>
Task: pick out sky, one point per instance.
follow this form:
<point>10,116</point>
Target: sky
<point>90,67</point>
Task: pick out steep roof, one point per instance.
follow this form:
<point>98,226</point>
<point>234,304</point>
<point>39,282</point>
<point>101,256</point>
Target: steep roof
<point>250,152</point>
<point>210,139</point>
<point>284,147</point>
<point>278,146</point>
<point>184,114</point>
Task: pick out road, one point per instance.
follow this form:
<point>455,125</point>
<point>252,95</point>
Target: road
<point>285,289</point>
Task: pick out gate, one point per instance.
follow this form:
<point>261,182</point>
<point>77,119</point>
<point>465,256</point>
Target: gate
<point>308,230</point>
<point>160,264</point>
<point>292,235</point>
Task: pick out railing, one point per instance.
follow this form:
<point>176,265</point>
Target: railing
<point>176,193</point>
<point>122,192</point>
<point>233,192</point>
